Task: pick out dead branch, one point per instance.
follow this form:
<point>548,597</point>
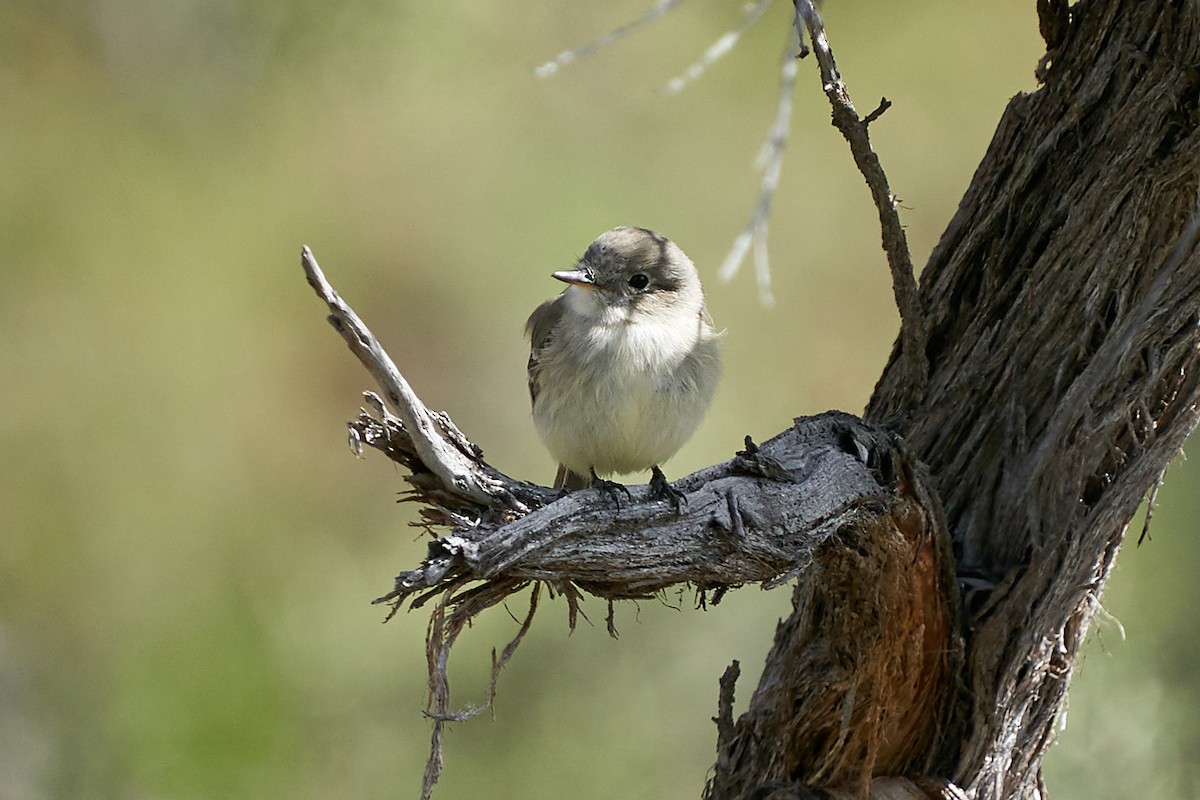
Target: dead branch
<point>718,49</point>
<point>430,441</point>
<point>770,162</point>
<point>913,327</point>
<point>659,9</point>
<point>754,518</point>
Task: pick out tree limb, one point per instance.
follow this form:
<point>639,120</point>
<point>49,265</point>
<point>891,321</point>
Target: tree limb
<point>913,327</point>
<point>760,515</point>
<point>436,445</point>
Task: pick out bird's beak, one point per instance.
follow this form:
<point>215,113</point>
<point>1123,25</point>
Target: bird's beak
<point>576,277</point>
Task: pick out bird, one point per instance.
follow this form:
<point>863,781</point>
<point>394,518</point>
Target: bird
<point>623,363</point>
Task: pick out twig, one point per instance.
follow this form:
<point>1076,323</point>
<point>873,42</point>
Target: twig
<point>770,161</point>
<point>724,718</point>
<point>770,158</point>
<point>718,49</point>
<point>659,9</point>
<point>447,621</point>
<point>498,664</point>
<point>720,777</point>
<point>913,333</point>
<point>434,441</point>
<point>1151,502</point>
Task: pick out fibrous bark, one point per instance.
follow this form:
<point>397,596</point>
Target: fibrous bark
<point>1064,305</point>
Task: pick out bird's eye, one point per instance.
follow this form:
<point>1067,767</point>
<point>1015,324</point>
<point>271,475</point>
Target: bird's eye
<point>639,280</point>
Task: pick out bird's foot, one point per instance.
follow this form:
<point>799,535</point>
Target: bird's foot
<point>661,489</point>
<point>612,489</point>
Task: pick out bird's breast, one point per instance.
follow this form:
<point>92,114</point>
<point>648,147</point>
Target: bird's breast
<point>624,397</point>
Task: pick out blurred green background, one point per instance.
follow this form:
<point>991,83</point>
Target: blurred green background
<point>189,549</point>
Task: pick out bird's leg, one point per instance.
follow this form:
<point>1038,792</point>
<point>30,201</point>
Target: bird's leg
<point>610,488</point>
<point>661,489</point>
<point>566,479</point>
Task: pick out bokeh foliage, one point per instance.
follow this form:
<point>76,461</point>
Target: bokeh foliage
<point>188,548</point>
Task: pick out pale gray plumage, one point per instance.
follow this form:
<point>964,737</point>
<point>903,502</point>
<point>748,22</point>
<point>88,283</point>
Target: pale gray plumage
<point>623,363</point>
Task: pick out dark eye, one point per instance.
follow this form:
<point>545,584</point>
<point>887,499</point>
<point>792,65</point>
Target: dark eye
<point>639,280</point>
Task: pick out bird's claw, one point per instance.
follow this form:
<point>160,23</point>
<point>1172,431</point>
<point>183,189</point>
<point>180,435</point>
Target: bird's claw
<point>661,489</point>
<point>612,489</point>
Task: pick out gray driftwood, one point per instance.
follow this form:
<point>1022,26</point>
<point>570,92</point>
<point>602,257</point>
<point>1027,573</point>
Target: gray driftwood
<point>949,549</point>
<point>762,514</point>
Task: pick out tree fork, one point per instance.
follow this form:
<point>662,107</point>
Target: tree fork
<point>863,671</point>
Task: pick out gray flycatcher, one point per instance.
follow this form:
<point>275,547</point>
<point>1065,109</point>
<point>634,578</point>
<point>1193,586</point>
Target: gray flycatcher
<point>623,363</point>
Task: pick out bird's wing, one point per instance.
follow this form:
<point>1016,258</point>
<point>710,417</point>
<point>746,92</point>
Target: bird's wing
<point>540,328</point>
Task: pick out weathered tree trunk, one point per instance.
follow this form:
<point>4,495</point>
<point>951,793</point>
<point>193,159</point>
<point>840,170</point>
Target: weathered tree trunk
<point>1063,377</point>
